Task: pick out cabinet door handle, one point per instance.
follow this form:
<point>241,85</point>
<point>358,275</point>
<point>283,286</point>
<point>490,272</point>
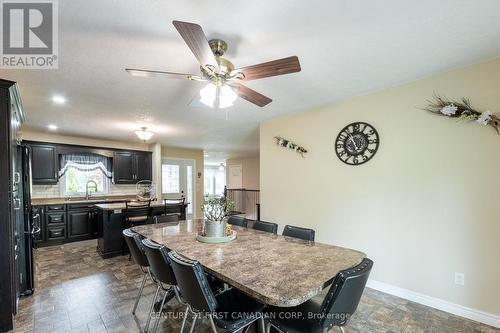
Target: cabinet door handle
<point>17,203</point>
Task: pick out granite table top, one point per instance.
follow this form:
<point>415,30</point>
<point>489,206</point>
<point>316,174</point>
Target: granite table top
<point>121,205</point>
<point>276,270</point>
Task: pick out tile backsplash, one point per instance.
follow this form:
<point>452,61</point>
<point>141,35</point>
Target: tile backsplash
<point>53,191</point>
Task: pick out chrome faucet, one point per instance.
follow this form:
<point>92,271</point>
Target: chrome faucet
<point>88,188</point>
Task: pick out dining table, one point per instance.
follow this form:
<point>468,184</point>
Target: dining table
<point>274,269</point>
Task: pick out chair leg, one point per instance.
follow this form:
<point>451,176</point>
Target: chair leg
<point>195,317</point>
<point>140,293</point>
<point>184,319</point>
<point>212,324</point>
<point>155,327</point>
<point>151,309</point>
<point>262,324</point>
<point>341,329</point>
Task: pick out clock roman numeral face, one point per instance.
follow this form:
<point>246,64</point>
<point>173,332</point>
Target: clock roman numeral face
<point>356,143</point>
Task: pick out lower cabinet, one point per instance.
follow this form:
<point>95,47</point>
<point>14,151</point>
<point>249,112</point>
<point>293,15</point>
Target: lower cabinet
<point>79,224</point>
<point>66,223</point>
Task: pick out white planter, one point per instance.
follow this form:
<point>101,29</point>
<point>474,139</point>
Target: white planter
<point>215,228</point>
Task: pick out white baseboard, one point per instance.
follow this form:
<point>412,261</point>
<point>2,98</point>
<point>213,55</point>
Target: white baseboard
<point>456,309</point>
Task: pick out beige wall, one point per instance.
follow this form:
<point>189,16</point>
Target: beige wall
<point>74,140</point>
<point>250,168</point>
<point>426,206</point>
<point>197,155</point>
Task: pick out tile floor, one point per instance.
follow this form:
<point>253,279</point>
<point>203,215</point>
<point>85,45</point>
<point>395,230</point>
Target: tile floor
<point>77,291</point>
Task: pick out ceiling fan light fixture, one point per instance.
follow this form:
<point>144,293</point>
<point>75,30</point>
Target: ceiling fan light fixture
<point>227,96</point>
<point>208,94</point>
<point>144,134</point>
<point>224,96</point>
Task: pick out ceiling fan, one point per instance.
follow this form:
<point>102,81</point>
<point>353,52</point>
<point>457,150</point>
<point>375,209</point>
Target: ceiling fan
<point>224,81</point>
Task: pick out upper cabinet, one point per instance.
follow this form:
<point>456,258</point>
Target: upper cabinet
<point>44,164</point>
<point>131,167</point>
<point>143,166</point>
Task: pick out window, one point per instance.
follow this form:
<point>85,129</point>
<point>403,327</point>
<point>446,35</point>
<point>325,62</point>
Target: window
<point>170,178</point>
<point>76,170</point>
<point>214,180</point>
<point>74,182</point>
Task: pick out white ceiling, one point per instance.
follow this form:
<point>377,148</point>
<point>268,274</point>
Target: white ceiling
<point>345,47</point>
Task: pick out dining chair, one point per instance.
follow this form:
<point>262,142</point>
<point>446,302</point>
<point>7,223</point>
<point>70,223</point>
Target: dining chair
<point>337,307</point>
<point>166,218</point>
<point>137,212</point>
<point>299,232</point>
<point>265,226</point>
<point>220,308</point>
<point>133,241</point>
<point>163,276</point>
<point>238,221</point>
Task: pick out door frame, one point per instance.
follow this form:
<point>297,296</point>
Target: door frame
<point>193,203</point>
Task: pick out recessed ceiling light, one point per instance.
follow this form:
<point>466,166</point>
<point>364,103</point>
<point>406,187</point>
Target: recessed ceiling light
<point>57,99</point>
<point>52,127</point>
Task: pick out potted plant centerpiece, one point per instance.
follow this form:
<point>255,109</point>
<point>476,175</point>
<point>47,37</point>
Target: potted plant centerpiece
<point>215,211</point>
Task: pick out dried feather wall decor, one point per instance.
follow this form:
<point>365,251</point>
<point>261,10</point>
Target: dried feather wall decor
<point>288,144</point>
<point>462,111</point>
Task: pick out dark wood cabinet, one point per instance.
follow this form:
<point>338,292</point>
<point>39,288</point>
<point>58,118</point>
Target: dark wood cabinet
<point>79,224</point>
<point>131,167</point>
<point>123,168</point>
<point>44,164</point>
<point>143,166</point>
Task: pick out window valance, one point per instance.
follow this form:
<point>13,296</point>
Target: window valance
<point>85,162</point>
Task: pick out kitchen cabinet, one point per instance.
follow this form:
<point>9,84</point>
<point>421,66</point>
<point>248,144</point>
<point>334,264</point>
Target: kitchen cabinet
<point>131,167</point>
<point>44,164</point>
<point>143,166</point>
<point>55,224</point>
<point>79,224</point>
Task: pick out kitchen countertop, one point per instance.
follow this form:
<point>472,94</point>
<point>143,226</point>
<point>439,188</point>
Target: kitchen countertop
<point>276,270</point>
<point>62,201</point>
<point>121,205</point>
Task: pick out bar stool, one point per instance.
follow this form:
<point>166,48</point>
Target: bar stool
<point>133,241</point>
<point>335,310</point>
<point>163,277</point>
<point>299,232</point>
<point>219,308</point>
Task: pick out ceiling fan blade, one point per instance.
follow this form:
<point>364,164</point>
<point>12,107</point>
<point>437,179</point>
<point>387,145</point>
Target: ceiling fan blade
<point>195,38</point>
<point>251,95</point>
<point>271,68</point>
<point>170,75</point>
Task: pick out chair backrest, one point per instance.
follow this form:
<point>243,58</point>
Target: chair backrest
<point>266,226</point>
<point>137,208</point>
<point>237,220</point>
<point>344,294</point>
<point>299,232</point>
<point>174,201</point>
<point>166,218</point>
<point>192,283</point>
<point>159,265</point>
<point>134,243</point>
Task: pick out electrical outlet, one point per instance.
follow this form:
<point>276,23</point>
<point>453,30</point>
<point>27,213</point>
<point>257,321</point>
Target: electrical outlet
<point>459,278</point>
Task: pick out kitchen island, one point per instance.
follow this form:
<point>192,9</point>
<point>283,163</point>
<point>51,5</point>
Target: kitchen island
<point>111,222</point>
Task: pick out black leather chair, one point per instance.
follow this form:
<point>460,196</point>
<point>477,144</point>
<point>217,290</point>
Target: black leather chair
<point>166,218</point>
<point>266,226</point>
<point>163,276</point>
<point>220,308</point>
<point>237,220</point>
<point>335,310</point>
<point>299,232</point>
<point>137,212</point>
<point>133,241</point>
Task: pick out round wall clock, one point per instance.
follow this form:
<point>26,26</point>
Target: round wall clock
<point>356,143</point>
